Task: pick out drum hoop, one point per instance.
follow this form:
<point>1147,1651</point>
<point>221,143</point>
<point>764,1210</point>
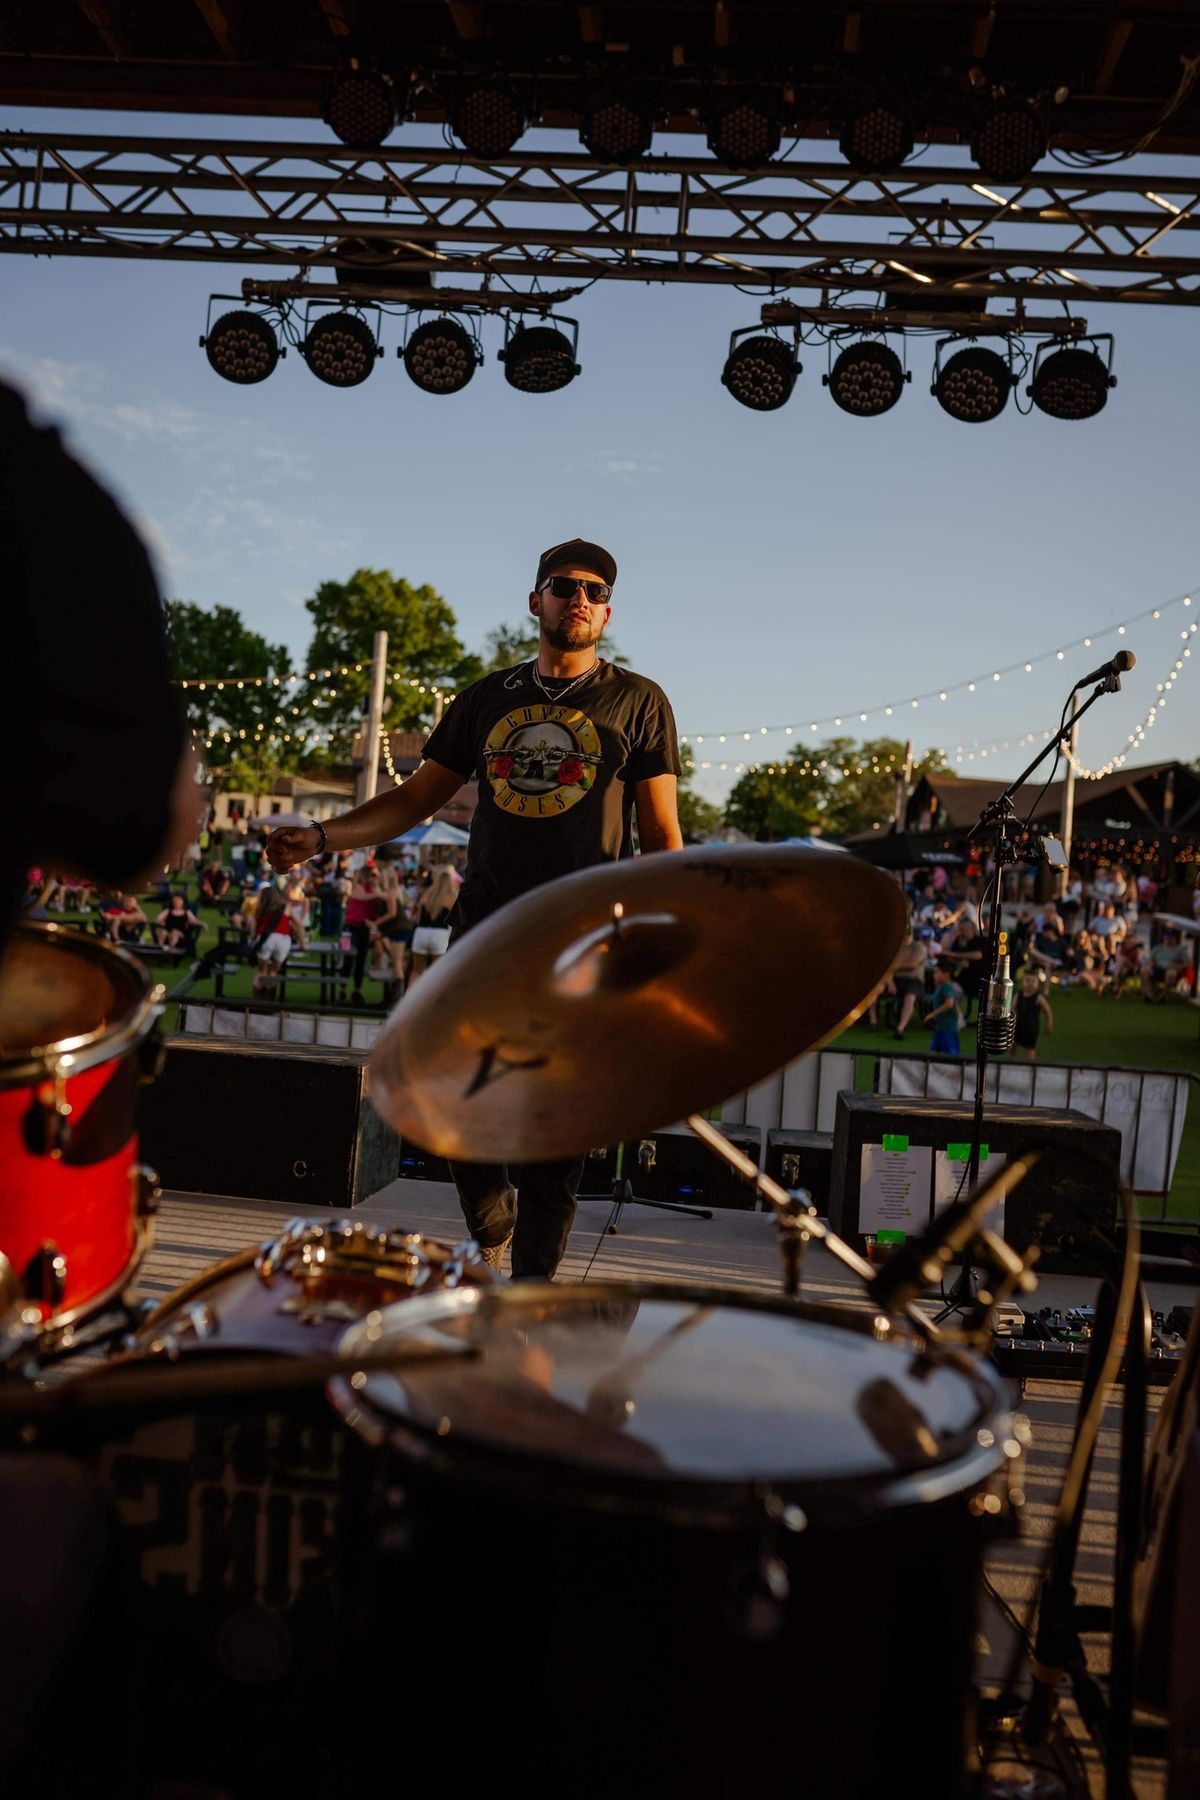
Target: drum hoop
<point>685,1499</point>
<point>86,1050</point>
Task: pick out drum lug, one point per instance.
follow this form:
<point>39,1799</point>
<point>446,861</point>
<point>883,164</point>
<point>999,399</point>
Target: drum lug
<point>152,1056</point>
<point>147,1191</point>
<point>48,1121</point>
<point>45,1277</point>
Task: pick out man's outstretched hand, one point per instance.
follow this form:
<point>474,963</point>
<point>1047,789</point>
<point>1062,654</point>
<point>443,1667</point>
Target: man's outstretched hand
<point>292,844</point>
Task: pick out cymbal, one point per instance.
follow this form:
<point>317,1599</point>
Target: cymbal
<point>616,1000</point>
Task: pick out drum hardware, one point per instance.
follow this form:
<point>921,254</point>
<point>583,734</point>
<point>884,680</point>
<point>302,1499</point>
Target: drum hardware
<point>592,1009</point>
<point>45,1277</point>
<point>622,1194</point>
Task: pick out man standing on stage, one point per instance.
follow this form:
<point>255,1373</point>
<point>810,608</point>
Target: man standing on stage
<point>566,748</point>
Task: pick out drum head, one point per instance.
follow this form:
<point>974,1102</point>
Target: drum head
<point>61,991</point>
<point>618,1383</point>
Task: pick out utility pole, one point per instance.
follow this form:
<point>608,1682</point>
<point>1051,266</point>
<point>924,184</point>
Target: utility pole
<point>1067,822</point>
<point>369,774</point>
<point>902,781</point>
<point>437,707</point>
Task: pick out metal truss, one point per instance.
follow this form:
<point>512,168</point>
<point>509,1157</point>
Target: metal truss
<point>922,238</point>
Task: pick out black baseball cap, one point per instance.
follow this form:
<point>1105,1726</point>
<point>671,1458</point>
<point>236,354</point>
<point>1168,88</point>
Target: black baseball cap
<point>577,550</point>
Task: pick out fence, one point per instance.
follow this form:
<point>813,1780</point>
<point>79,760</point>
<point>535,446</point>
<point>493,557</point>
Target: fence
<point>1147,1106</point>
<point>276,1025</point>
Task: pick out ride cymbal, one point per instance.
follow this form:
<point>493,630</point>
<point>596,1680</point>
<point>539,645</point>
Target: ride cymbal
<point>611,1002</point>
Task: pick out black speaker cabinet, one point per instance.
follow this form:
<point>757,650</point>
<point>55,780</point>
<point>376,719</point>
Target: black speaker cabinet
<point>266,1122</point>
<point>684,1169</point>
<point>893,1156</point>
<point>802,1159</point>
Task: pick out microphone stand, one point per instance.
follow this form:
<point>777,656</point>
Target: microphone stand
<point>999,816</point>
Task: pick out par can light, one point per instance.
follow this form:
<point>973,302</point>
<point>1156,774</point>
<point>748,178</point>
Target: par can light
<point>487,119</point>
<point>538,359</point>
<point>1071,384</point>
<point>760,372</point>
<point>744,135</point>
<point>615,130</point>
<point>441,356</point>
<point>973,385</point>
<point>241,347</point>
<point>1009,141</point>
<point>340,349</point>
<point>876,136</point>
<point>361,107</point>
<point>867,378</point>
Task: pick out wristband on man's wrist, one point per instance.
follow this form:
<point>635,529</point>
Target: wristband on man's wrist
<point>320,850</point>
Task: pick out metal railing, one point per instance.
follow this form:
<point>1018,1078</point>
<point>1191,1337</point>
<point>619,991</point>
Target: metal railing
<point>1147,1106</point>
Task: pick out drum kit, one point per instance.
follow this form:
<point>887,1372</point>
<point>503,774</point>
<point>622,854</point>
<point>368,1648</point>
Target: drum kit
<point>617,1537</point>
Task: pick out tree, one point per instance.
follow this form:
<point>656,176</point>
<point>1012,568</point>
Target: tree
<point>834,788</point>
<point>698,818</point>
<point>423,648</point>
<point>239,669</point>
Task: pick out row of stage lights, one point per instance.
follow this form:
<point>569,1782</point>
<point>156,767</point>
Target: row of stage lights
<point>340,348</point>
<point>970,382</point>
<point>1007,134</point>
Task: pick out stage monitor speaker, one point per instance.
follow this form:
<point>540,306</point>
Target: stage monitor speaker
<point>684,1169</point>
<point>802,1159</point>
<point>896,1160</point>
<point>266,1122</point>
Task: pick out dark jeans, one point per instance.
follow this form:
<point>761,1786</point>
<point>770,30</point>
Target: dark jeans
<point>360,937</point>
<point>331,915</point>
<point>533,1201</point>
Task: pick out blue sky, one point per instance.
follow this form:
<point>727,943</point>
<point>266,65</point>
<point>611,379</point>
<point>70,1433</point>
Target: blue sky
<point>774,568</point>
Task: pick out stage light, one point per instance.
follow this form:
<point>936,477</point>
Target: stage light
<point>615,130</point>
<point>340,349</point>
<point>867,378</point>
<point>1072,383</point>
<point>487,118</point>
<point>973,385</point>
<point>441,356</point>
<point>744,134</point>
<point>876,136</point>
<point>760,372</point>
<point>538,359</point>
<point>1009,141</point>
<point>241,347</point>
<point>361,107</point>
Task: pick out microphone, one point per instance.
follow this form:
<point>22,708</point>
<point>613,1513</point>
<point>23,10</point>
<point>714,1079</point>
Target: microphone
<point>997,1013</point>
<point>1121,664</point>
<point>922,1263</point>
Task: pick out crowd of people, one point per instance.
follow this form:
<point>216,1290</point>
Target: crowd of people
<point>1092,937</point>
<point>388,918</point>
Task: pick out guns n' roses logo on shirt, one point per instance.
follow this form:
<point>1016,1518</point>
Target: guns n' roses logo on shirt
<point>541,760</point>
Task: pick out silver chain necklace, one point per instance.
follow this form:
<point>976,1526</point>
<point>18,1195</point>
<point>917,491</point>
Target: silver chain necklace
<point>562,692</point>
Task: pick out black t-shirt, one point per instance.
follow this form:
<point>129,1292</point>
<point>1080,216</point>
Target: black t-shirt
<point>556,779</point>
<point>1029,1017</point>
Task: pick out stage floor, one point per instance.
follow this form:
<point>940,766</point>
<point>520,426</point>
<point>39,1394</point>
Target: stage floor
<point>736,1250</point>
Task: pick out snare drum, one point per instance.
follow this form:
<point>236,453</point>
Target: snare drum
<point>663,1540</point>
<point>76,1022</point>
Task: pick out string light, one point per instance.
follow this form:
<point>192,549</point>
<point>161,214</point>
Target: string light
<point>201,682</point>
<point>1137,736</point>
<point>911,701</point>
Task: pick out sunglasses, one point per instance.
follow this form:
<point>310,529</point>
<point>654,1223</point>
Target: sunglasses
<point>565,587</point>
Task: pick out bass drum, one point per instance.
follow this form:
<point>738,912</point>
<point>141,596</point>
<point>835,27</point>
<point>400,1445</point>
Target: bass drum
<point>76,1018</point>
<point>226,1620</point>
<point>653,1539</point>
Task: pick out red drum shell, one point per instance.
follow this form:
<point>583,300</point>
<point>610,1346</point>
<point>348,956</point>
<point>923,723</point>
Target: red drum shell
<point>74,1015</point>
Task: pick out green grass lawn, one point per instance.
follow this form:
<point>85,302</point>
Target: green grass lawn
<point>1095,1028</point>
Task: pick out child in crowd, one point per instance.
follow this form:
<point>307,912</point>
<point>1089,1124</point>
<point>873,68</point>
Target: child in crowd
<point>1032,1007</point>
<point>946,1014</point>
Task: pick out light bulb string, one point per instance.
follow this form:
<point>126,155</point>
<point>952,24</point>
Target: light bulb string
<point>941,693</point>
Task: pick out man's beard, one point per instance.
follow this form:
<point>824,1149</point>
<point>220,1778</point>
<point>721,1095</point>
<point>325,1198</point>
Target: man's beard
<point>572,634</point>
